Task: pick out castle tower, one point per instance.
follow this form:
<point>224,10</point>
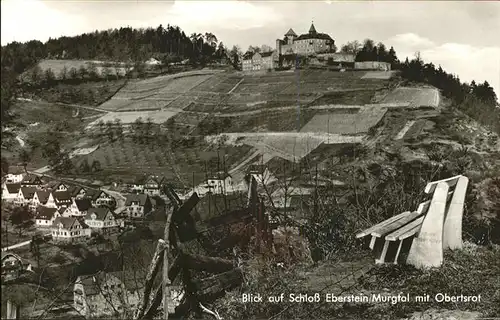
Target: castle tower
<point>312,29</point>
<point>278,46</point>
<point>290,36</point>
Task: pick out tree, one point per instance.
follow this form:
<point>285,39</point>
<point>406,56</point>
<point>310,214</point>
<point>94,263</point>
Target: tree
<point>392,58</point>
<point>106,73</point>
<point>73,73</point>
<point>352,47</point>
<point>63,75</point>
<point>254,49</point>
<point>235,56</point>
<point>118,129</point>
<point>221,51</point>
<point>36,74</point>
<point>21,218</point>
<point>265,48</point>
<point>148,128</point>
<point>5,166</point>
<point>110,130</point>
<point>382,54</point>
<point>102,127</point>
<point>82,72</point>
<point>137,127</point>
<point>50,77</point>
<point>84,166</point>
<point>8,97</point>
<point>92,71</point>
<point>64,164</point>
<point>96,166</point>
<point>24,157</point>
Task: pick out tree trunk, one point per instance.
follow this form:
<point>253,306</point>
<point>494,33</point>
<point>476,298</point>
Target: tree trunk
<point>166,280</point>
<point>203,263</point>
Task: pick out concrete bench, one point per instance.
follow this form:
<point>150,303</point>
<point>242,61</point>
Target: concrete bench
<point>419,237</point>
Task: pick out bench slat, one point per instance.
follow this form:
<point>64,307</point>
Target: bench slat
<point>431,186</point>
<point>406,231</point>
<point>382,224</point>
<point>396,224</point>
<point>424,206</point>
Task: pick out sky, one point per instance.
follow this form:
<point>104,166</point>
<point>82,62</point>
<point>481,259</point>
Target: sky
<point>463,37</point>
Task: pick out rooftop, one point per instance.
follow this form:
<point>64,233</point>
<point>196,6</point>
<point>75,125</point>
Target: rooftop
<point>290,33</point>
<point>13,187</point>
<point>141,198</point>
<point>100,213</point>
<point>45,213</point>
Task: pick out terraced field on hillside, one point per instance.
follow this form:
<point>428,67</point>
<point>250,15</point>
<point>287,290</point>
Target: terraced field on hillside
<point>417,97</point>
<point>219,89</point>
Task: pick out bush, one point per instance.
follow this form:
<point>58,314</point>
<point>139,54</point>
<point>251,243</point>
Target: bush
<point>471,271</point>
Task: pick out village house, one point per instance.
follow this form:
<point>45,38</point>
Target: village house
<point>77,192</point>
<point>219,183</point>
<point>82,207</point>
<point>137,185</point>
<point>69,229</point>
<point>15,175</point>
<point>101,219</point>
<point>72,210</point>
<point>13,266</point>
<point>107,293</point>
<point>45,217</point>
<point>10,191</point>
<point>25,196</point>
<point>137,205</point>
<point>99,198</point>
<point>58,186</point>
<point>43,198</point>
<point>255,61</point>
<point>32,180</point>
<point>153,185</point>
<point>62,199</point>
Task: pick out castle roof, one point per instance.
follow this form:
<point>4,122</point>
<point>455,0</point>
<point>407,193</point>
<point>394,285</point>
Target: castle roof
<point>312,29</point>
<point>290,33</point>
<point>307,36</point>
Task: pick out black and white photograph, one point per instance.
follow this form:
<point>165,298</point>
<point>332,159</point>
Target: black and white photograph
<point>260,160</point>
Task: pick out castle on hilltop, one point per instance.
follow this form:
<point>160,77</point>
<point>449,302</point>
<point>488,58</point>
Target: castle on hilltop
<point>309,43</point>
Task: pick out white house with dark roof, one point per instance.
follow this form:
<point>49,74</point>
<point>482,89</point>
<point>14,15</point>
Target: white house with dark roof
<point>62,198</point>
<point>220,183</point>
<point>43,198</point>
<point>101,219</point>
<point>69,229</point>
<point>25,196</point>
<point>59,186</point>
<point>99,198</point>
<point>137,205</point>
<point>32,180</point>
<point>15,175</point>
<point>153,185</point>
<point>255,61</point>
<point>10,191</point>
<point>45,217</point>
<point>77,192</point>
<point>137,184</point>
<point>82,207</point>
